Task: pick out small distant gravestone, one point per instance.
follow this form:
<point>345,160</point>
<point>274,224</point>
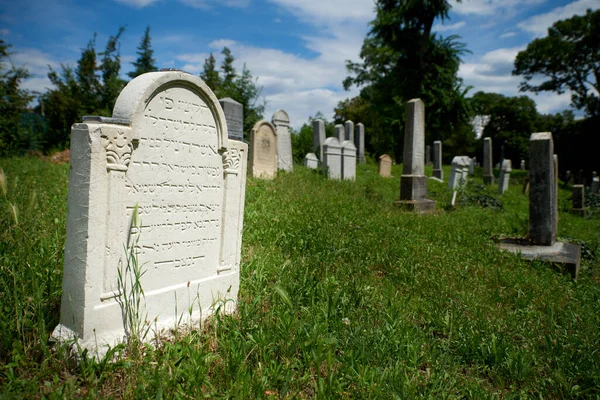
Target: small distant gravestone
<point>234,115</point>
<point>427,155</point>
<point>348,160</point>
<point>385,166</point>
<point>504,178</point>
<point>459,172</point>
<point>318,137</point>
<point>332,158</point>
<point>263,151</point>
<point>348,131</point>
<point>522,165</point>
<point>339,133</point>
<point>488,172</point>
<point>438,172</point>
<point>149,187</point>
<point>413,182</point>
<point>595,184</point>
<point>311,161</point>
<point>360,142</point>
<point>281,121</point>
<point>578,200</point>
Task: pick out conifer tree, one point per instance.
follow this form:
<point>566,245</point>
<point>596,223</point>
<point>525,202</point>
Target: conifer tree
<point>145,62</point>
<point>210,75</point>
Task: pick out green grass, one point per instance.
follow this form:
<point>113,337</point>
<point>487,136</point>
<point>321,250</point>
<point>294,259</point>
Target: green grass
<point>342,295</point>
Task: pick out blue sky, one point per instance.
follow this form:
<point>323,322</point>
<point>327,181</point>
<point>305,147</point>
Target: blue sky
<point>296,48</point>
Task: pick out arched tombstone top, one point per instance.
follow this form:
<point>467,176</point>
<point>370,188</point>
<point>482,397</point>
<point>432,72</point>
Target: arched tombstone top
<point>132,103</point>
<point>266,124</point>
<point>332,142</point>
<point>280,117</point>
<point>385,157</point>
<point>349,145</point>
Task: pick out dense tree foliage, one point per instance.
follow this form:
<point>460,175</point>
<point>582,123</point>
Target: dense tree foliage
<point>402,59</point>
<point>145,62</point>
<point>569,59</point>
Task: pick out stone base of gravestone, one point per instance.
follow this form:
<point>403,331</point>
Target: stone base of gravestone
<point>563,256</point>
<point>413,190</point>
<point>439,174</point>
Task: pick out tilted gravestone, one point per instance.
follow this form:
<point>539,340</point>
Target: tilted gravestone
<point>459,172</point>
<point>332,158</point>
<point>157,189</point>
<point>504,178</point>
<point>234,115</point>
<point>385,166</point>
<point>488,172</point>
<point>339,133</point>
<point>348,131</point>
<point>318,137</point>
<point>413,182</point>
<point>281,121</point>
<point>437,160</point>
<point>348,160</point>
<point>311,161</point>
<point>263,151</point>
<point>360,143</point>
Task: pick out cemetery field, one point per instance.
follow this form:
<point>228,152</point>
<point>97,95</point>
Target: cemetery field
<point>343,295</point>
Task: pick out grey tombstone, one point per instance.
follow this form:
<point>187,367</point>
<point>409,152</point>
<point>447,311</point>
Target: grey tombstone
<point>472,166</point>
<point>162,184</point>
<point>318,137</point>
<point>523,165</point>
<point>360,142</point>
<point>578,200</point>
<point>488,172</point>
<point>385,166</point>
<point>263,151</point>
<point>413,182</point>
<point>332,158</point>
<point>459,172</point>
<point>234,115</point>
<point>281,121</point>
<point>437,160</point>
<point>427,155</point>
<point>504,177</point>
<point>339,133</point>
<point>348,131</point>
<point>311,161</point>
<point>348,160</point>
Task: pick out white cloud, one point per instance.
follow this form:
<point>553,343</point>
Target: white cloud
<point>204,4</point>
<point>507,35</point>
<point>539,24</point>
<point>137,3</point>
<point>329,11</point>
<point>443,28</point>
<point>491,7</point>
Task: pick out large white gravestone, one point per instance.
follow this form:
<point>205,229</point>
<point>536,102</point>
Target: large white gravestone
<point>160,184</point>
<point>348,160</point>
<point>332,158</point>
<point>281,121</point>
<point>263,150</point>
<point>459,172</point>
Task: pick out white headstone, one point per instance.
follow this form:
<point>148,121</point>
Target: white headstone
<point>348,131</point>
<point>161,187</point>
<point>318,137</point>
<point>281,121</point>
<point>459,172</point>
<point>523,165</point>
<point>339,132</point>
<point>360,142</point>
<point>348,160</point>
<point>311,161</point>
<point>263,151</point>
<point>504,178</point>
<point>332,158</point>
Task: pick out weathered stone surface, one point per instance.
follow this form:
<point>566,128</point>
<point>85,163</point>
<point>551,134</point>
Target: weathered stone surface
<point>427,155</point>
<point>160,183</point>
<point>281,121</point>
<point>311,161</point>
<point>348,160</point>
<point>578,200</point>
<point>438,172</point>
<point>504,178</point>
<point>348,131</point>
<point>542,191</point>
<point>472,166</point>
<point>332,158</point>
<point>360,143</point>
<point>488,172</point>
<point>318,137</point>
<point>564,256</point>
<point>263,150</point>
<point>339,133</point>
<point>234,115</point>
<point>459,172</point>
<point>385,166</point>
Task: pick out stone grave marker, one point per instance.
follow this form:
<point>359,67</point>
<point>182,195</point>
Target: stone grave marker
<point>311,161</point>
<point>438,172</point>
<point>234,115</point>
<point>413,182</point>
<point>348,160</point>
<point>385,166</point>
<point>522,167</point>
<point>332,158</point>
<point>427,155</point>
<point>360,142</point>
<point>472,166</point>
<point>263,150</point>
<point>578,200</point>
<point>281,121</point>
<point>162,184</point>
<point>348,131</point>
<point>339,133</point>
<point>459,172</point>
<point>504,178</point>
<point>318,137</point>
<point>488,172</point>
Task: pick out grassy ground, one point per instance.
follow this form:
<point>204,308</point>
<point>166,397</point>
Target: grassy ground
<point>342,296</point>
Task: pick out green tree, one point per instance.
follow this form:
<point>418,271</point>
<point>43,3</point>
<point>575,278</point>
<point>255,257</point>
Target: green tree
<point>13,102</point>
<point>227,68</point>
<point>302,141</point>
<point>110,68</point>
<point>209,73</point>
<point>402,59</point>
<point>569,59</point>
<point>145,62</point>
